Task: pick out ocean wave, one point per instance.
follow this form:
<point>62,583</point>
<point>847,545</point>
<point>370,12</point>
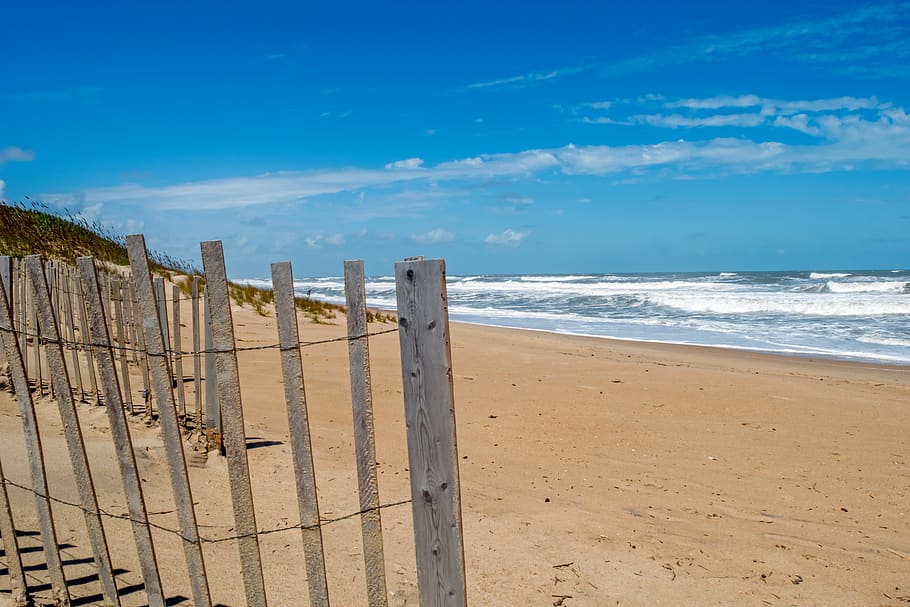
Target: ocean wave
<point>558,278</point>
<point>818,275</point>
<point>803,306</point>
<point>867,286</point>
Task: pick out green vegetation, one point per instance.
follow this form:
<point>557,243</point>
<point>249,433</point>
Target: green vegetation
<point>34,228</point>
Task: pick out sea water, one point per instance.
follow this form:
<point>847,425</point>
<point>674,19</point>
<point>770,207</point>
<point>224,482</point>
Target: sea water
<point>855,315</point>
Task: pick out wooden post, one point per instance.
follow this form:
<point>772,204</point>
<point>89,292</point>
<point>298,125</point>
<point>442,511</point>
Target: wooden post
<point>178,359</point>
<point>142,349</point>
<point>69,319</point>
<point>23,317</point>
<point>429,404</point>
<point>6,282</point>
<point>170,426</point>
<point>162,317</point>
<point>57,368</point>
<point>299,429</point>
<point>122,339</point>
<point>121,434</point>
<point>33,448</point>
<point>232,412</point>
<point>364,438</point>
<point>197,379</point>
<point>36,342</point>
<point>212,402</point>
<point>17,585</point>
<point>86,341</point>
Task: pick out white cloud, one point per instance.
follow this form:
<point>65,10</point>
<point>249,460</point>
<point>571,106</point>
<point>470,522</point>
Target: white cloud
<point>879,137</point>
<point>527,79</point>
<point>779,106</point>
<point>434,236</point>
<point>2,187</point>
<point>12,153</point>
<point>716,120</point>
<point>506,238</point>
<point>407,163</point>
<point>318,240</point>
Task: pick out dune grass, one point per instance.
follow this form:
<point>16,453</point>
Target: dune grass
<point>33,228</point>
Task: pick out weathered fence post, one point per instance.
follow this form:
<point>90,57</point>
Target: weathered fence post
<point>232,412</point>
<point>197,379</point>
<point>426,369</point>
<point>70,323</point>
<point>58,375</point>
<point>16,361</point>
<point>364,439</point>
<point>178,358</point>
<point>122,339</point>
<point>170,426</point>
<point>121,434</point>
<point>86,342</point>
<point>6,282</point>
<point>299,429</point>
<point>11,547</point>
<point>212,402</point>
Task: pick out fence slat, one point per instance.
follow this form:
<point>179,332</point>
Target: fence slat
<point>299,430</point>
<point>6,281</point>
<point>197,379</point>
<point>67,308</point>
<point>57,369</point>
<point>364,436</point>
<point>23,317</point>
<point>17,585</point>
<point>89,351</point>
<point>426,369</point>
<point>234,434</point>
<point>212,402</point>
<point>120,433</point>
<point>161,382</point>
<point>122,339</point>
<point>33,449</point>
<point>178,359</point>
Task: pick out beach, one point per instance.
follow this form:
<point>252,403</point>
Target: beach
<point>593,472</point>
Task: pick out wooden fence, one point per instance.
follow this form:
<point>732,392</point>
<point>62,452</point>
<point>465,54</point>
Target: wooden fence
<point>75,335</point>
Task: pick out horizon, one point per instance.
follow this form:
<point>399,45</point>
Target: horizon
<point>512,139</point>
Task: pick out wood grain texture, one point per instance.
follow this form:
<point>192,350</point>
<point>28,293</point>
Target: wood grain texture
<point>364,436</point>
<point>233,432</point>
<point>173,441</point>
<point>197,376</point>
<point>17,586</point>
<point>72,430</point>
<point>299,430</point>
<point>178,358</point>
<point>34,451</point>
<point>123,444</point>
<point>212,404</point>
<point>122,339</point>
<point>426,368</point>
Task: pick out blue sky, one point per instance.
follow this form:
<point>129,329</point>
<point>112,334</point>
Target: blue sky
<point>504,137</point>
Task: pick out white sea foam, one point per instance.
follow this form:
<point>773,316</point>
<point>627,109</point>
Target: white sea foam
<point>818,275</point>
<point>867,286</point>
<point>775,304</point>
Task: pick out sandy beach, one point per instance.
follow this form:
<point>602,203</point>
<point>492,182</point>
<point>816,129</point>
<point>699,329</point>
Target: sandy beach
<point>593,472</point>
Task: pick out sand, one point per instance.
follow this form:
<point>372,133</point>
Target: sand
<point>593,472</point>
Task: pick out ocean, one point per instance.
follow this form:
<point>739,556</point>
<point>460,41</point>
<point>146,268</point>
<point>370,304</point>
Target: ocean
<point>855,315</point>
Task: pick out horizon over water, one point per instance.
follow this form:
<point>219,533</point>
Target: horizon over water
<point>847,315</point>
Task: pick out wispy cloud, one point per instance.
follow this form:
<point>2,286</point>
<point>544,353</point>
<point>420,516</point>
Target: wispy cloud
<point>875,134</point>
<point>2,188</point>
<point>527,79</point>
<point>434,236</point>
<point>12,153</point>
<point>836,33</point>
<point>317,241</point>
<point>830,41</point>
<point>506,238</point>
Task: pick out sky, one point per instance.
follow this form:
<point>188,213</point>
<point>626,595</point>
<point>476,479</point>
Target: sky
<point>504,137</point>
